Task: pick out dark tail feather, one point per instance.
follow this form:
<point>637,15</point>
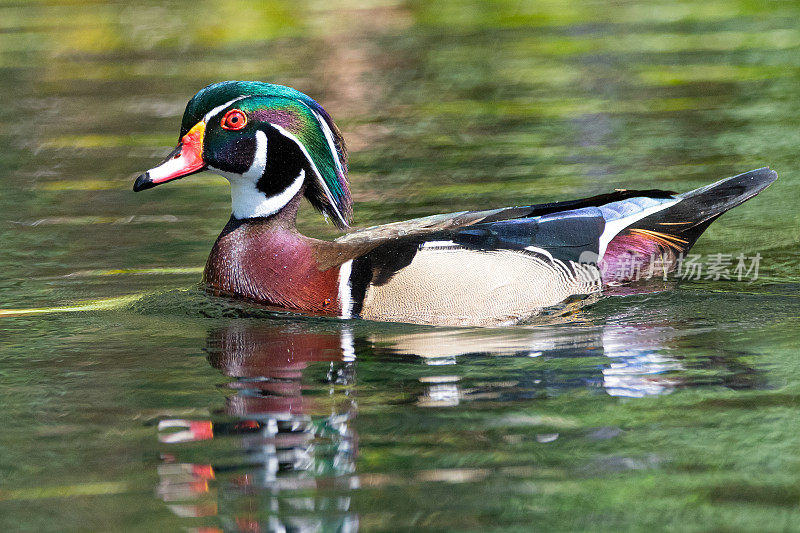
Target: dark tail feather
<point>690,217</point>
<point>673,231</point>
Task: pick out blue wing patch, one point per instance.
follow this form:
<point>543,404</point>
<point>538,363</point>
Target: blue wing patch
<point>565,235</point>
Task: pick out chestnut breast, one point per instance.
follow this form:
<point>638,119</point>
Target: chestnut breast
<point>271,264</point>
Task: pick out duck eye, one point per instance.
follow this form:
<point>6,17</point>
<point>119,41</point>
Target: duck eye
<point>234,119</point>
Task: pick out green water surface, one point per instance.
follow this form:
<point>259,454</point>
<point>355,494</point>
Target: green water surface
<point>130,400</point>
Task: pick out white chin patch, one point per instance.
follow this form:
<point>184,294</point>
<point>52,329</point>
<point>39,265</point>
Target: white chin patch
<point>247,201</point>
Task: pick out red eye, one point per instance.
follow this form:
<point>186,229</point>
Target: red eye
<point>234,119</point>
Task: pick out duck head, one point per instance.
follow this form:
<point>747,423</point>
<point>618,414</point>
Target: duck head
<point>271,142</point>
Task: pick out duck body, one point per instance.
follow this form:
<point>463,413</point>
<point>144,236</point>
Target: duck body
<point>500,266</point>
<point>417,279</point>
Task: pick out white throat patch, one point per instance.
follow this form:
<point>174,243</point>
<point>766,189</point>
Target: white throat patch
<point>247,201</point>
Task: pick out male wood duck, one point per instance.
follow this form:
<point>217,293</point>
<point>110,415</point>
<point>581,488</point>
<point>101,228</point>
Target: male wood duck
<point>499,266</point>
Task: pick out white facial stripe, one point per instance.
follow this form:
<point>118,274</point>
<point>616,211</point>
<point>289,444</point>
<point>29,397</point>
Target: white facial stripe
<point>329,137</point>
<point>345,297</point>
<point>326,130</point>
<point>256,170</point>
<point>314,168</point>
<point>219,108</point>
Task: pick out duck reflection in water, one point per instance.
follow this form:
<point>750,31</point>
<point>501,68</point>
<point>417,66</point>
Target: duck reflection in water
<point>284,448</point>
<point>294,444</point>
<point>620,359</point>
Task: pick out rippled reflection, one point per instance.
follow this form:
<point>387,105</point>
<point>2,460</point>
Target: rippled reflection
<point>616,359</point>
<point>289,456</point>
<point>282,453</point>
<point>630,362</point>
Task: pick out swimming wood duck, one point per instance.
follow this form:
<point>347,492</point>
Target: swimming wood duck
<point>276,145</point>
